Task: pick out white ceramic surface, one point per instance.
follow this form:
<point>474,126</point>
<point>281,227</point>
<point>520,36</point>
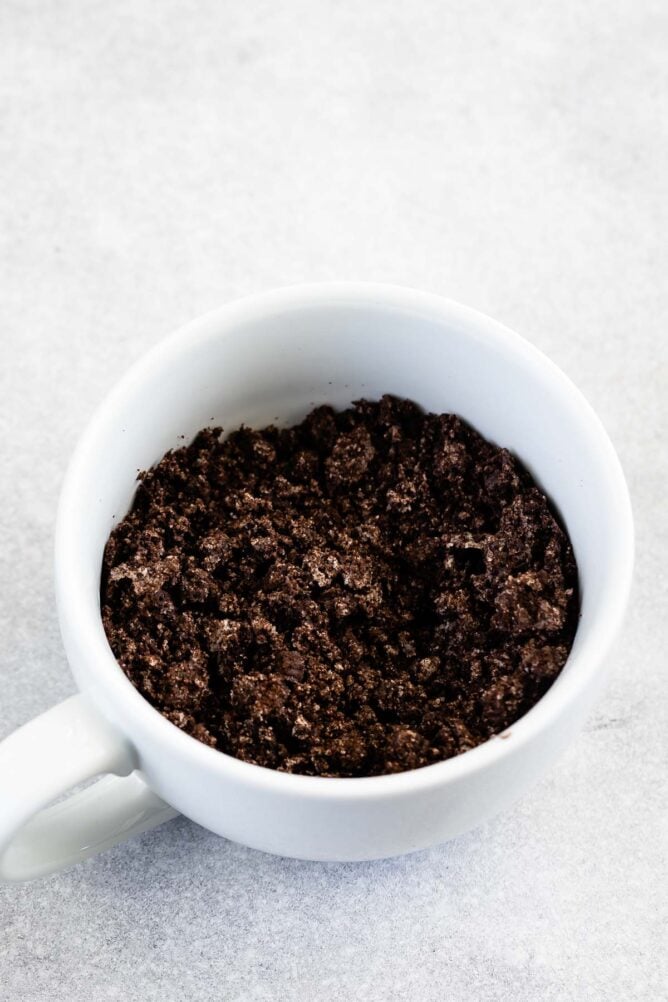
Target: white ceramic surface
<point>266,358</point>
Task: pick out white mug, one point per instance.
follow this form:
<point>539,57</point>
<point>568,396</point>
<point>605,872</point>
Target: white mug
<point>262,359</point>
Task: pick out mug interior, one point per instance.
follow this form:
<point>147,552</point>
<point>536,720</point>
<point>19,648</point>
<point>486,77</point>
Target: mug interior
<point>273,358</point>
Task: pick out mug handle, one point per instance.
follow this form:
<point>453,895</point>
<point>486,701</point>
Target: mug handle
<point>42,760</point>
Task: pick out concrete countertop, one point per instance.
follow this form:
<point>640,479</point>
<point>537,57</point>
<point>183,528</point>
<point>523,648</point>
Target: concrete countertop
<point>157,160</point>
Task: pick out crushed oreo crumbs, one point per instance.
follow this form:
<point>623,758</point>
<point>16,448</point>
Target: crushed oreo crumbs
<point>370,591</point>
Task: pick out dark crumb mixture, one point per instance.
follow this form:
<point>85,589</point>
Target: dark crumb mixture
<point>367,592</point>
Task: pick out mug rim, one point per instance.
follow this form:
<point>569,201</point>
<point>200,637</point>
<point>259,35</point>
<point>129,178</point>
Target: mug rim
<point>72,580</point>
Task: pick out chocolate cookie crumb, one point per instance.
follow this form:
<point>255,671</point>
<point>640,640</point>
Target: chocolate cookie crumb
<point>370,591</point>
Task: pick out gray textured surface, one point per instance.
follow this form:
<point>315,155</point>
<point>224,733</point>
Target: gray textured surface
<point>159,159</point>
